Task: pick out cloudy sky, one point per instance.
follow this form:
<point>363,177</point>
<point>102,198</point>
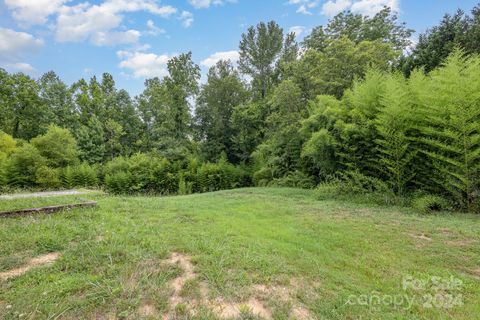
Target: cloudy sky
<point>133,39</point>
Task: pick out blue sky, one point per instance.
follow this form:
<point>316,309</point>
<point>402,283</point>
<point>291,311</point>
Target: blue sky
<point>133,39</point>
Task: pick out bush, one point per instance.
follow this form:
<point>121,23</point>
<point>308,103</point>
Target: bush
<point>263,177</point>
<point>354,182</point>
<point>295,179</point>
<point>165,176</point>
<point>141,173</point>
<point>3,177</point>
<point>7,144</point>
<point>328,190</point>
<point>58,146</point>
<point>354,186</point>
<point>429,203</point>
<point>141,169</point>
<point>22,166</point>
<point>119,182</point>
<point>82,175</point>
<point>219,176</point>
<point>48,178</point>
<point>184,187</point>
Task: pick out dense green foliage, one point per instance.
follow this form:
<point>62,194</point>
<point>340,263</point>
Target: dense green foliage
<point>434,46</point>
<point>350,112</point>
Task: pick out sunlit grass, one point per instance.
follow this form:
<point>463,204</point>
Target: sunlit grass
<point>112,255</point>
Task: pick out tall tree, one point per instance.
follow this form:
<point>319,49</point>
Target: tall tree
<point>436,44</point>
<point>335,69</point>
<point>165,109</point>
<point>181,84</point>
<point>281,149</point>
<point>261,49</point>
<point>222,93</point>
<point>58,99</point>
<point>383,26</point>
<point>23,113</point>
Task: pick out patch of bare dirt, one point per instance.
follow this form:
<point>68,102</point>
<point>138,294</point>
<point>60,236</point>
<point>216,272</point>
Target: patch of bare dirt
<point>256,305</point>
<point>226,310</point>
<point>147,310</point>
<point>461,242</point>
<point>474,272</point>
<point>35,262</point>
<point>286,294</point>
<point>422,236</point>
<point>109,316</point>
<point>188,273</point>
<point>301,313</point>
<point>264,292</point>
<point>444,231</point>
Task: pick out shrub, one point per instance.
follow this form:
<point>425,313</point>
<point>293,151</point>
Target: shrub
<point>58,146</point>
<point>48,178</point>
<point>354,182</point>
<point>118,182</point>
<point>219,176</point>
<point>354,186</point>
<point>184,187</point>
<point>141,173</point>
<point>22,166</point>
<point>295,179</point>
<point>429,203</point>
<point>3,177</point>
<point>7,144</point>
<point>165,179</point>
<point>451,129</point>
<point>328,190</point>
<point>82,175</point>
<point>263,177</point>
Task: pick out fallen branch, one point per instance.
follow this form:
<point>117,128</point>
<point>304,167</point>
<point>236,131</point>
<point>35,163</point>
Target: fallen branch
<point>47,210</point>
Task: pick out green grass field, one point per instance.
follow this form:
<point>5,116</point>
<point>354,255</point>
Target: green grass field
<point>272,253</point>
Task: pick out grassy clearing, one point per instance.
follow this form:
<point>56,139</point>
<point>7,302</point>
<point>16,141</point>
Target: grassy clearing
<point>243,244</point>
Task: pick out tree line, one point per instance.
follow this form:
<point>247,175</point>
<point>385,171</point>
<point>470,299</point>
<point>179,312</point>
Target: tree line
<point>353,107</point>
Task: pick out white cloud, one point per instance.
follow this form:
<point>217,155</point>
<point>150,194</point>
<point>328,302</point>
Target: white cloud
<point>31,12</point>
<point>371,7</point>
<point>20,67</point>
<point>97,23</point>
<point>200,4</point>
<point>333,7</point>
<point>114,38</point>
<point>153,29</point>
<point>100,23</point>
<point>233,56</point>
<point>186,18</point>
<point>298,30</point>
<point>144,65</point>
<point>305,6</point>
<point>15,44</point>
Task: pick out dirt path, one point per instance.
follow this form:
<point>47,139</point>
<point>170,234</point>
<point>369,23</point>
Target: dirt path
<point>42,194</point>
<point>35,262</point>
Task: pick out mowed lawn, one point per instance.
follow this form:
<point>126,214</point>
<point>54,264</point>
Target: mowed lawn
<point>271,253</point>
